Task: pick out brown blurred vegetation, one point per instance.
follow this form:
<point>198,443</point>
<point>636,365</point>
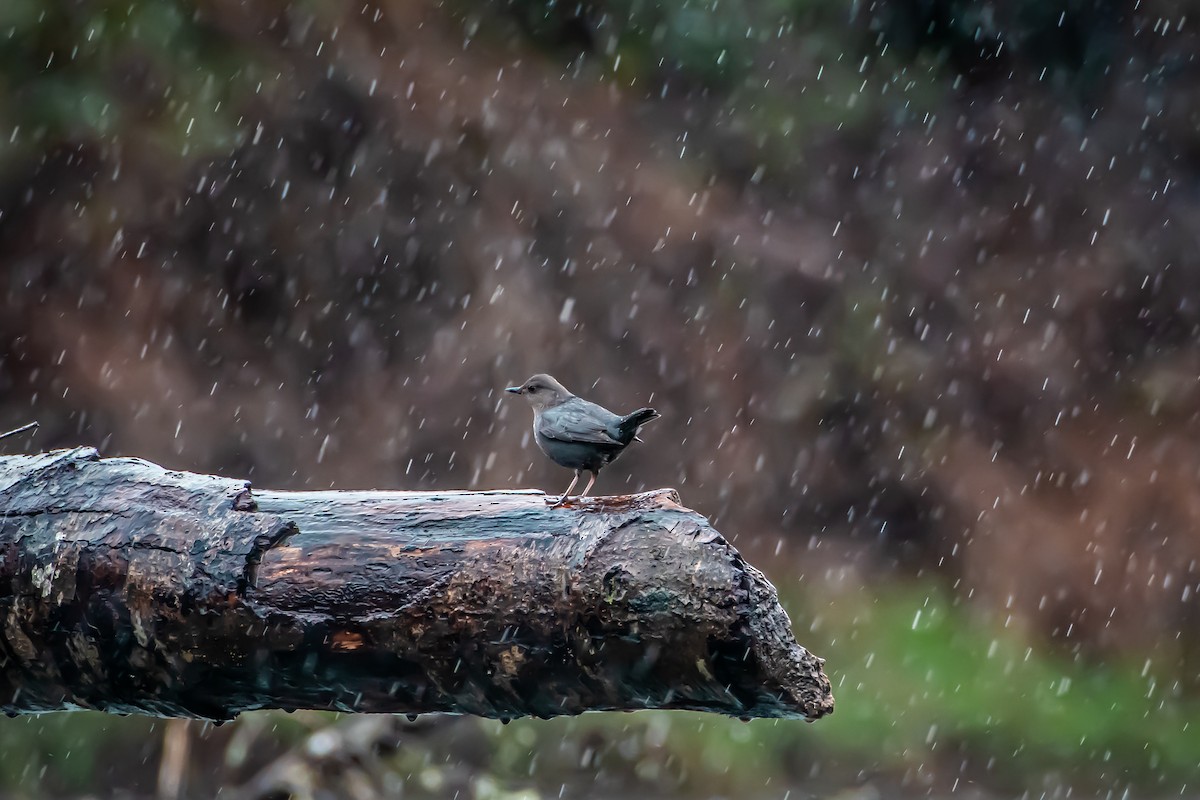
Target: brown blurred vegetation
<point>915,285</point>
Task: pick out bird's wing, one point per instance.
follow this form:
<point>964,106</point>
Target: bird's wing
<point>578,421</point>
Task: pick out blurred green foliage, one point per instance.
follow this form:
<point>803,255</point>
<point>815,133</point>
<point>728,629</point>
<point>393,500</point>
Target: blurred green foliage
<point>709,44</point>
<point>57,753</point>
<point>76,72</point>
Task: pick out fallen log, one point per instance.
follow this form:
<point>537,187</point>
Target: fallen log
<point>129,588</point>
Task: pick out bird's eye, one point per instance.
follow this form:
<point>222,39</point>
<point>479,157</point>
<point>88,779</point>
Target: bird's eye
<point>531,388</point>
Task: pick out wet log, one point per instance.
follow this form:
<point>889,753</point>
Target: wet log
<point>129,588</point>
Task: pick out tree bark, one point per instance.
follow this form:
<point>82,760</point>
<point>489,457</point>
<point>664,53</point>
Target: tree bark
<point>133,589</point>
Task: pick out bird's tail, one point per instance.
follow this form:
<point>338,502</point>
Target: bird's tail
<point>630,423</point>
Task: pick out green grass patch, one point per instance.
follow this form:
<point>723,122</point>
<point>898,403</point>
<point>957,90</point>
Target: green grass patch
<point>913,672</point>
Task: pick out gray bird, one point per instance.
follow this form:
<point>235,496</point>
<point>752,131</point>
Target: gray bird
<point>577,434</point>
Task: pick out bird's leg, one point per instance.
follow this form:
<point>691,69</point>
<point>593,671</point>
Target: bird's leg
<point>563,499</point>
<point>591,481</point>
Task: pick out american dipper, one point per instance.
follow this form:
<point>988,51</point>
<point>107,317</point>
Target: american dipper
<point>575,433</point>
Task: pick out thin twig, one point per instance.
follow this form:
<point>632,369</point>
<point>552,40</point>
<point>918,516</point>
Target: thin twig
<point>21,429</point>
<point>172,770</point>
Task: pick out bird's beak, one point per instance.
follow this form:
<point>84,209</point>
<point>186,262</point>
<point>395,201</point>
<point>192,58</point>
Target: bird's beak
<point>514,389</point>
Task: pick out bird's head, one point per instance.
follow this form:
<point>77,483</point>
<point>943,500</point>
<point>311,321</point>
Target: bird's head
<point>541,391</point>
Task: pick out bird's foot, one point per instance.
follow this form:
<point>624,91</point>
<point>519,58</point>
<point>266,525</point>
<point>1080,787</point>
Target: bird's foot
<point>556,502</point>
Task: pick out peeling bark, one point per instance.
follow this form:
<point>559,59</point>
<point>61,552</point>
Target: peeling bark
<point>133,589</point>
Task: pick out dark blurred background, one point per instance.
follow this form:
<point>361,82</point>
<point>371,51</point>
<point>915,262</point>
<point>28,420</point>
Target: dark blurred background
<point>914,283</point>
